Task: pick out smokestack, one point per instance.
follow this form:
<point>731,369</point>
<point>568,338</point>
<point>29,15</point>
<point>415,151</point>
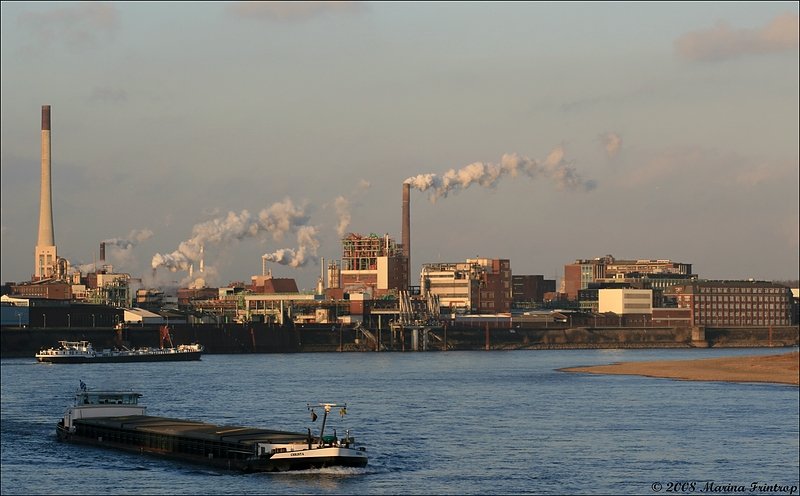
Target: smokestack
<point>102,252</point>
<point>321,281</point>
<point>406,229</point>
<point>46,237</point>
<point>45,246</point>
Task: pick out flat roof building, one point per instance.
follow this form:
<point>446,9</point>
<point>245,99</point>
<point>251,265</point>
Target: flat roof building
<point>734,303</point>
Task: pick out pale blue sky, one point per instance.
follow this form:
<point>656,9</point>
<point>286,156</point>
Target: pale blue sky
<point>684,117</point>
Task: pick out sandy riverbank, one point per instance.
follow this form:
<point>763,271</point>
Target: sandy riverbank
<point>784,369</point>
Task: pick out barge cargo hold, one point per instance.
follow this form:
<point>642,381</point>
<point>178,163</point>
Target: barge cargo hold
<point>115,420</point>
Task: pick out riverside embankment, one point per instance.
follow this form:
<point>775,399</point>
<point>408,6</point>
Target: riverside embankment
<point>261,338</point>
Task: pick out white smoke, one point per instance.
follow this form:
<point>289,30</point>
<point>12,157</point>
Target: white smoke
<point>276,220</point>
<point>554,167</point>
<point>612,142</point>
<point>119,251</point>
<point>82,268</point>
<point>134,238</point>
<point>307,246</point>
<point>342,205</point>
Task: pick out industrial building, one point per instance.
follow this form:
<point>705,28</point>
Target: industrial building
<point>372,264</point>
<point>625,301</point>
<point>734,303</point>
<point>638,273</point>
<point>478,285</point>
<point>529,290</point>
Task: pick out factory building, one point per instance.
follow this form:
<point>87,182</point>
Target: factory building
<point>526,291</point>
<point>625,301</point>
<point>47,289</point>
<point>495,290</point>
<point>617,269</point>
<point>373,265</point>
<point>478,285</point>
<point>271,285</point>
<point>456,285</point>
<point>107,287</point>
<point>579,274</point>
<point>734,303</point>
<point>641,273</point>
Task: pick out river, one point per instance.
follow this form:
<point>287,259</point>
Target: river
<point>478,422</point>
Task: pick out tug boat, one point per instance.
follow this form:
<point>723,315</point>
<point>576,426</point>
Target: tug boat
<point>114,419</point>
<point>84,352</point>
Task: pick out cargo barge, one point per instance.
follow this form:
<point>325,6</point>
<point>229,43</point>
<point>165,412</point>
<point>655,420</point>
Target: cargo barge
<point>84,352</point>
<point>113,419</point>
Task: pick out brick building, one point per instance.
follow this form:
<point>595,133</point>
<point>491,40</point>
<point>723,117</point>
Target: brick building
<point>478,285</point>
<point>734,303</point>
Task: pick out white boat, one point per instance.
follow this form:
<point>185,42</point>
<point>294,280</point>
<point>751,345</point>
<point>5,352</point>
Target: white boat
<point>113,419</point>
<point>84,352</point>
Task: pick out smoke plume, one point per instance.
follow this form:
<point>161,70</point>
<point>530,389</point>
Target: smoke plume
<point>134,238</point>
<point>554,168</point>
<point>276,220</point>
<point>342,206</point>
<point>307,244</point>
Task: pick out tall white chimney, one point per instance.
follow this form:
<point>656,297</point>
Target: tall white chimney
<point>46,253</point>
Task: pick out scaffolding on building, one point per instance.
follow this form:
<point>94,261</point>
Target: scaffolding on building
<point>361,252</point>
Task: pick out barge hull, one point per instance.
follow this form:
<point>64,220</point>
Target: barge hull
<point>166,357</point>
<point>281,465</point>
<point>225,447</point>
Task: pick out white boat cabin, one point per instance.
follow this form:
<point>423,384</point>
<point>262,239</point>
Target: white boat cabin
<point>95,404</point>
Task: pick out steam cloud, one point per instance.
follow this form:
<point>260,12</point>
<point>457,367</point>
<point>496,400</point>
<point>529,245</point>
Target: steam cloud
<point>342,206</point>
<point>306,252</point>
<point>277,220</point>
<point>612,142</point>
<point>134,238</point>
<point>120,252</point>
<point>554,168</point>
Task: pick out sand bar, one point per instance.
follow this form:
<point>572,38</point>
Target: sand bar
<point>784,369</point>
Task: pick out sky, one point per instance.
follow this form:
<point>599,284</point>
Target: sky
<point>539,132</point>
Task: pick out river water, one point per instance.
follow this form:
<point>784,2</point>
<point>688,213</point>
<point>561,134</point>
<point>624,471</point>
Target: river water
<point>499,422</point>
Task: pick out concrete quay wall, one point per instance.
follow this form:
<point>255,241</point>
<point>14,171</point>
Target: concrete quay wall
<point>261,338</point>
